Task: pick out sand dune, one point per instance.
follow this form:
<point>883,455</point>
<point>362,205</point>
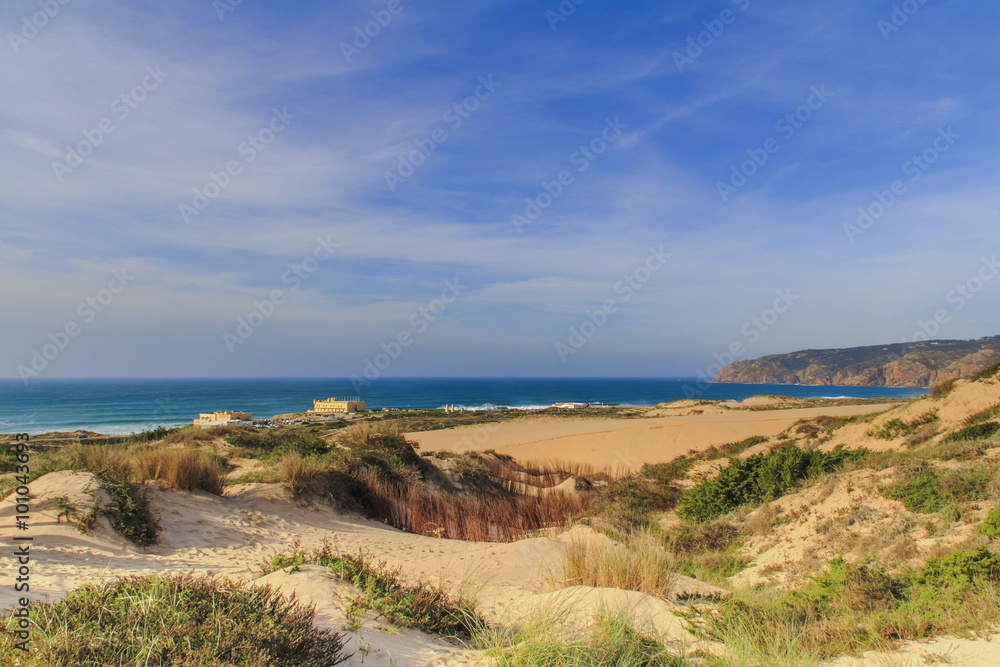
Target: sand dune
<point>230,536</point>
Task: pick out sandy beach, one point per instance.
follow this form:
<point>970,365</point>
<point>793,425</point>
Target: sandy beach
<point>626,444</point>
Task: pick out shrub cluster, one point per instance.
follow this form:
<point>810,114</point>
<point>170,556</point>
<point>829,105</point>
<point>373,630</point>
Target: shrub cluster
<point>853,607</point>
<point>991,526</point>
<point>129,511</point>
<point>926,489</point>
<point>271,443</point>
<point>758,479</point>
<point>975,432</point>
<point>174,621</point>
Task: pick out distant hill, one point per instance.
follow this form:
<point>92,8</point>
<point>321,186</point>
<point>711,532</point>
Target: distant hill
<point>896,365</point>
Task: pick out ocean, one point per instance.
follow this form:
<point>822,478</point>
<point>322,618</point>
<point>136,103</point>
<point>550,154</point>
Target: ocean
<point>132,405</point>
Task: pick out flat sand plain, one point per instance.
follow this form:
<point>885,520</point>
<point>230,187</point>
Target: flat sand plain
<point>627,444</point>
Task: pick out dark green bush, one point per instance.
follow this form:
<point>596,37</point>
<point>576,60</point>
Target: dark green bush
<point>960,569</point>
<point>925,489</point>
<point>991,526</point>
<point>975,432</point>
<point>129,512</point>
<point>268,441</point>
<point>758,479</point>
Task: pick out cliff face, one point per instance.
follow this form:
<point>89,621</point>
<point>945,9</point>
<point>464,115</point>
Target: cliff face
<point>896,365</point>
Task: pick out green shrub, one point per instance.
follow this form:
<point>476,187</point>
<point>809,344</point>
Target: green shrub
<point>173,621</point>
<point>960,450</point>
<point>917,490</point>
<point>129,511</point>
<point>925,489</point>
<point>758,479</point>
<point>991,526</point>
<point>961,569</point>
<point>855,607</point>
<point>631,501</point>
<point>975,432</point>
<point>265,442</point>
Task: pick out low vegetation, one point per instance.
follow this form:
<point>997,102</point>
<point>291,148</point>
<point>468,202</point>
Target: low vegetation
<point>897,428</point>
<point>988,373</point>
<point>382,590</point>
<point>975,432</point>
<point>172,621</point>
<point>613,640</point>
<point>129,511</point>
<point>991,526</point>
<point>372,468</point>
<point>759,478</point>
<point>925,488</point>
<point>640,564</point>
<point>173,467</point>
<point>854,607</point>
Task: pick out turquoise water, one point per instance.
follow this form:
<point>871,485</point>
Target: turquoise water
<point>125,406</point>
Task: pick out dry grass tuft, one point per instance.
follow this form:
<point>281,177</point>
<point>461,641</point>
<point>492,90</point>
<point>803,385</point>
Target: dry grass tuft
<point>641,564</point>
<point>186,469</point>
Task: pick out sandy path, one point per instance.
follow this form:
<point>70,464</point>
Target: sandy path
<point>622,443</point>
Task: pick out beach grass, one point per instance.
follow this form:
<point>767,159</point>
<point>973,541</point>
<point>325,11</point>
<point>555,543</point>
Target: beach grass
<point>172,621</point>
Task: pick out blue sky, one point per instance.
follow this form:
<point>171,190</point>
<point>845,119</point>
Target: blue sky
<point>316,252</point>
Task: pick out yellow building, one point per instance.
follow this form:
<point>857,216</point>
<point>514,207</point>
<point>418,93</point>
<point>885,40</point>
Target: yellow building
<point>221,417</point>
<point>332,406</point>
